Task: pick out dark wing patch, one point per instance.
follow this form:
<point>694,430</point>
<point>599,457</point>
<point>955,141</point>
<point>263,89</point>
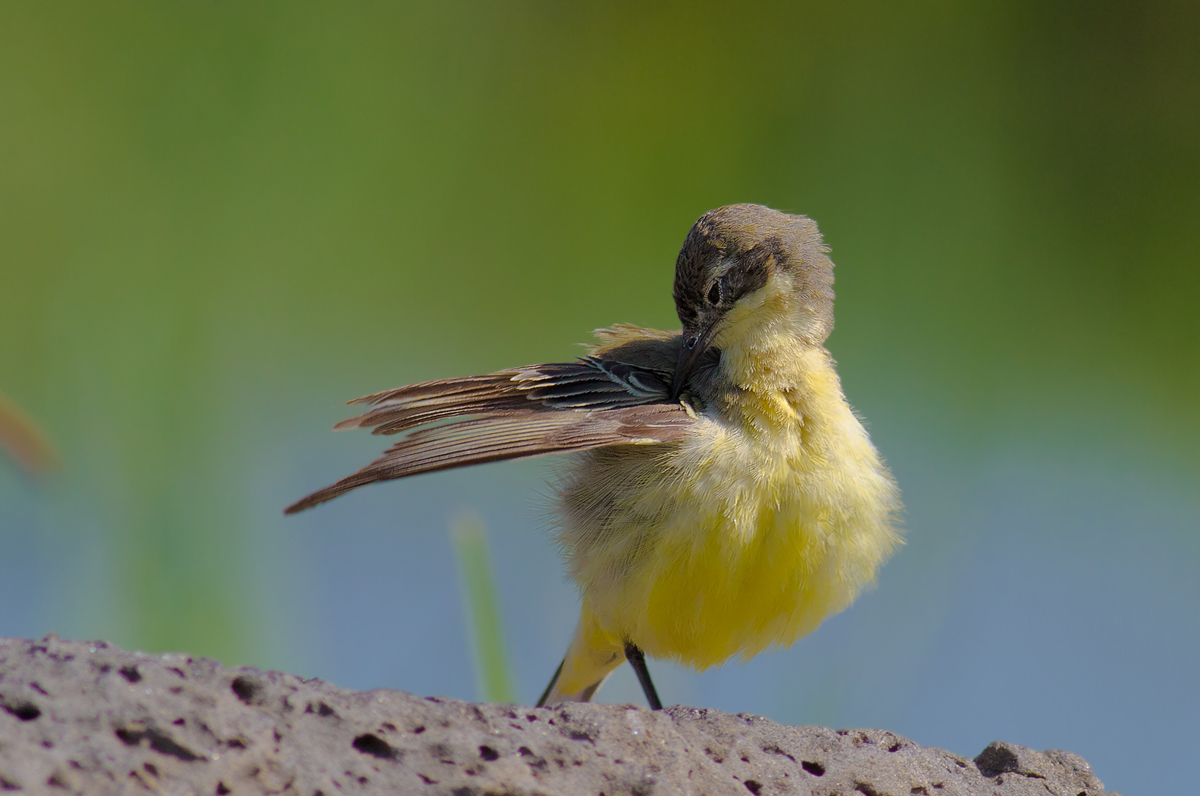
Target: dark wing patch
<point>497,437</point>
<point>593,382</point>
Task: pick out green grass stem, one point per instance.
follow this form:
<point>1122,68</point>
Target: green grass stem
<point>493,681</point>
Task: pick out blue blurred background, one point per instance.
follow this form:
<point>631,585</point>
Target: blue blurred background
<point>217,223</point>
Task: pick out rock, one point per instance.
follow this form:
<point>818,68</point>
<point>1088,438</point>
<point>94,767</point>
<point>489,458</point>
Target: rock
<point>85,717</point>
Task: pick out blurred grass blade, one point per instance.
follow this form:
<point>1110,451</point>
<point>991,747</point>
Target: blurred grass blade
<point>21,437</point>
<point>493,682</point>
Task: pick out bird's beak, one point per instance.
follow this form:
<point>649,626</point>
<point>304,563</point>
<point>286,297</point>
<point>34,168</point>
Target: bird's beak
<point>695,343</point>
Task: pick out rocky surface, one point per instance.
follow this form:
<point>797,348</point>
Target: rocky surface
<point>85,717</point>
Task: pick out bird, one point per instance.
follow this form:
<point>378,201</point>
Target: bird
<point>720,496</point>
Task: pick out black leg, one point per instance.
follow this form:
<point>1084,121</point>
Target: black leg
<point>546,694</point>
<point>638,661</point>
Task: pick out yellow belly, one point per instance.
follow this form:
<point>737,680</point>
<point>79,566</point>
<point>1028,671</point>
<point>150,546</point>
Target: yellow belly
<point>744,537</point>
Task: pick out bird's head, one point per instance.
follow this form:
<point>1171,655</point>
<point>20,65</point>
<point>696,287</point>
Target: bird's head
<point>745,269</point>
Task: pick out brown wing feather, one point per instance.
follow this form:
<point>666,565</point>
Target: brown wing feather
<point>403,408</point>
<point>591,382</point>
<point>618,396</point>
<point>497,437</point>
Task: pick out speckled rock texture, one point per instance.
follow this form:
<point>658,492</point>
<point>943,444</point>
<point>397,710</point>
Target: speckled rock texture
<point>85,717</point>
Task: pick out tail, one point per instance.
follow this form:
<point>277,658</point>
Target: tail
<point>591,658</point>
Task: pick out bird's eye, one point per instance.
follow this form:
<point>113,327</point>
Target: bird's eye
<point>714,293</point>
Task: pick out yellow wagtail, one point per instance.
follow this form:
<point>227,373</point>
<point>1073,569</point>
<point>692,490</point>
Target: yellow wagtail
<point>722,498</point>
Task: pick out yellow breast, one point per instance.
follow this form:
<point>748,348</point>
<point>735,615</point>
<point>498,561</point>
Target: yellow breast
<point>772,516</point>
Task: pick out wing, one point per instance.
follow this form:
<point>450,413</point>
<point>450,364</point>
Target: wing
<point>498,437</point>
<point>618,396</point>
<point>588,383</point>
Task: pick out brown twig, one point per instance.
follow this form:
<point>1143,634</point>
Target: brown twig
<point>22,438</point>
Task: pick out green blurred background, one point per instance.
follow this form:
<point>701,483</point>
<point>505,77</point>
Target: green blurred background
<point>218,222</point>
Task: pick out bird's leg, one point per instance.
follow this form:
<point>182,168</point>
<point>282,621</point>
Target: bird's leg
<point>541,703</point>
<point>638,661</point>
